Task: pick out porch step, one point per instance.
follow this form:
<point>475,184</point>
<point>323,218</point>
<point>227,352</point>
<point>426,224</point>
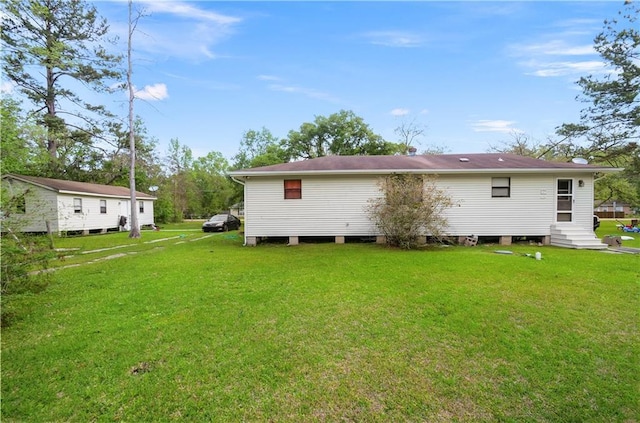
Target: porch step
<point>572,236</point>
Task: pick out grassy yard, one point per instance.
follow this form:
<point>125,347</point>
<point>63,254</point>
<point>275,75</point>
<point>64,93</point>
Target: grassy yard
<point>202,329</point>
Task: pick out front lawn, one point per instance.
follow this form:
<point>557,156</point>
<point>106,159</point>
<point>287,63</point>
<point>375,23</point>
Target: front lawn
<point>203,329</point>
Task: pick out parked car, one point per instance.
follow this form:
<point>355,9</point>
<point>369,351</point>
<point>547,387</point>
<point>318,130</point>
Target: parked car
<point>596,222</point>
<point>221,223</point>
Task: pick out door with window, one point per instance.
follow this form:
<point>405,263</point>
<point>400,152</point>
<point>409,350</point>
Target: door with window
<point>564,200</point>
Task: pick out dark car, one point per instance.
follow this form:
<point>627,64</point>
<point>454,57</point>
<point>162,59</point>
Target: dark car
<point>596,222</point>
<point>221,223</point>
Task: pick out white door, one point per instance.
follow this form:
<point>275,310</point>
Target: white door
<point>124,211</point>
<point>564,200</point>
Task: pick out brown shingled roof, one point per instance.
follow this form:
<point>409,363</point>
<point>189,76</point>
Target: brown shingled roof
<point>432,163</point>
<point>66,187</point>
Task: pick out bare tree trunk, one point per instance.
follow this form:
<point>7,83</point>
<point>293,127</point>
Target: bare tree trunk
<point>135,227</point>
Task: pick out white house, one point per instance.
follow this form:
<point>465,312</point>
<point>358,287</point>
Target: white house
<point>71,206</point>
<point>495,195</point>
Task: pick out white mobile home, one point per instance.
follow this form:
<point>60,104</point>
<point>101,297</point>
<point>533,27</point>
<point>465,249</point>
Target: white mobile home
<point>495,195</point>
<point>71,206</point>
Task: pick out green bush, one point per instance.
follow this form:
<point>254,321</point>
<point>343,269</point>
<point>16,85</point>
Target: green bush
<point>24,260</point>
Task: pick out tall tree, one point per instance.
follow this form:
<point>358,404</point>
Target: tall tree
<point>179,164</point>
<point>215,190</point>
<point>135,228</point>
<point>341,133</point>
<point>50,43</point>
<point>609,126</point>
<point>20,141</point>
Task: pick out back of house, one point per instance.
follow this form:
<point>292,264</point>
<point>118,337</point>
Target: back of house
<point>493,195</point>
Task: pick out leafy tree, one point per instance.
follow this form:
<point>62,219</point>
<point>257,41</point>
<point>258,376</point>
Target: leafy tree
<point>257,148</point>
<point>47,43</point>
<point>114,168</point>
<point>260,148</point>
<point>215,191</point>
<point>179,163</point>
<point>341,133</point>
<point>14,148</point>
<point>410,207</point>
<point>609,126</point>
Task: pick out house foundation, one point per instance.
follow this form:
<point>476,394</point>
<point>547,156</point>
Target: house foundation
<point>340,240</point>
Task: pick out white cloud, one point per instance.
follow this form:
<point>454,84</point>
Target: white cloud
<point>194,31</point>
<point>502,126</point>
<point>155,92</point>
<point>400,112</point>
<point>568,52</point>
<point>307,92</point>
<point>188,11</point>
<point>394,38</point>
<point>554,48</point>
<point>569,68</point>
<point>268,78</point>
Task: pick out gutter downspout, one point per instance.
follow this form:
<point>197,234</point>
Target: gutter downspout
<point>244,242</point>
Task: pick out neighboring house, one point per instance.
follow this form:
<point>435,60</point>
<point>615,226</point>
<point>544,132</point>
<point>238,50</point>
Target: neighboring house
<point>237,209</point>
<point>613,209</point>
<point>495,195</point>
<point>72,206</point>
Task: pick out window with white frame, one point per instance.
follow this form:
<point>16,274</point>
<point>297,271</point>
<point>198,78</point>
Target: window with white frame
<point>103,206</point>
<point>77,205</point>
<point>141,206</point>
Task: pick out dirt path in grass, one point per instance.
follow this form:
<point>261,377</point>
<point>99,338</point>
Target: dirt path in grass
<point>181,240</point>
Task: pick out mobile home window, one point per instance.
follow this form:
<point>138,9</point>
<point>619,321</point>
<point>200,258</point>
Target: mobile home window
<point>141,206</point>
<point>501,187</point>
<point>77,205</point>
<point>103,206</point>
<point>21,205</point>
<point>292,189</point>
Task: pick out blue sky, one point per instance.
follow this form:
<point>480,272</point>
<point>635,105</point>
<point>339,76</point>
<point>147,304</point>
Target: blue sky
<point>471,73</point>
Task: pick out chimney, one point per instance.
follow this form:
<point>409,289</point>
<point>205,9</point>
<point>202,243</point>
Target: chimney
<point>412,151</point>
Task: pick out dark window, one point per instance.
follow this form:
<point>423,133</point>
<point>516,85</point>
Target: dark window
<point>501,187</point>
<point>77,205</point>
<point>103,206</point>
<point>21,204</point>
<point>292,189</point>
<point>141,206</point>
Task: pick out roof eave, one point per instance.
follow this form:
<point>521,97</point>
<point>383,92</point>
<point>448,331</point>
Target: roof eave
<point>247,174</point>
<point>94,194</point>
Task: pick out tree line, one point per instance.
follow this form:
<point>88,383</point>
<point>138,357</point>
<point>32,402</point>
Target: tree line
<point>49,46</point>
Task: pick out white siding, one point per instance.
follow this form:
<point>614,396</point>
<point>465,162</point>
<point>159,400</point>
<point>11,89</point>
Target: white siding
<point>40,207</point>
<point>92,219</point>
<point>146,218</point>
<point>336,206</point>
<point>529,210</point>
<point>330,206</point>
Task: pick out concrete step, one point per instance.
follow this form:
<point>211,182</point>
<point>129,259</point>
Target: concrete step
<point>571,236</point>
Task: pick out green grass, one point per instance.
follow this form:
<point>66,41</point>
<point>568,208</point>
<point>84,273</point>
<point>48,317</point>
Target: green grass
<point>203,329</point>
<point>609,227</point>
